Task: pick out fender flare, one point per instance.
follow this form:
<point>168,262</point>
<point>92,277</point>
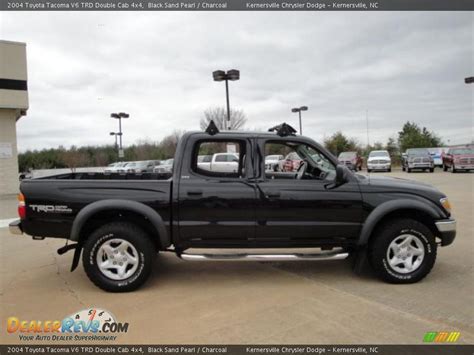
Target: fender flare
<point>133,206</point>
<point>390,206</point>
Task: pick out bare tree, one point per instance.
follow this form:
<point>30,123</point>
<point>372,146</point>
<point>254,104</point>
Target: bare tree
<point>219,116</point>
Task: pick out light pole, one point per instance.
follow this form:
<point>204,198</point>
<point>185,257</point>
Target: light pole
<point>469,80</point>
<point>116,134</point>
<point>119,116</point>
<point>299,109</point>
<point>232,75</point>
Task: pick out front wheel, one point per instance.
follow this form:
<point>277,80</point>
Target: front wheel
<point>453,168</point>
<point>118,257</point>
<point>445,168</point>
<point>402,251</point>
<point>431,170</point>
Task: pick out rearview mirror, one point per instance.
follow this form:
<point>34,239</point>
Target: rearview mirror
<point>341,174</point>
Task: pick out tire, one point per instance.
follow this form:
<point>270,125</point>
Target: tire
<point>389,235</point>
<point>445,168</point>
<point>431,170</point>
<point>368,170</point>
<point>408,170</point>
<point>389,170</point>
<point>114,236</point>
<point>453,168</point>
<point>403,168</point>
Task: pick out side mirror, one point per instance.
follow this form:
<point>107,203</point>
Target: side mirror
<point>341,174</point>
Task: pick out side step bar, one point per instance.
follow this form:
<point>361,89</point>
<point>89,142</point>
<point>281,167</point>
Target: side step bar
<point>265,257</point>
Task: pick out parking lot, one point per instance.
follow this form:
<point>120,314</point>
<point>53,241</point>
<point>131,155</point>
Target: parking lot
<point>306,302</point>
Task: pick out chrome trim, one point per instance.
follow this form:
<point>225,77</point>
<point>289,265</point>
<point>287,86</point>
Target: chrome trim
<point>448,225</point>
<point>15,227</point>
<point>264,257</point>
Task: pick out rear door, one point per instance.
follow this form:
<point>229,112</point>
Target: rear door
<point>216,208</point>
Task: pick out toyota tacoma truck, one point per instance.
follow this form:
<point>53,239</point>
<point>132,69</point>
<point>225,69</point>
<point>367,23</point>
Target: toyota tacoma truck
<point>119,222</point>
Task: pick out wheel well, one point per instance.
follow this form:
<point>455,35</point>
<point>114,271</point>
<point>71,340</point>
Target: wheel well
<point>104,217</point>
<point>415,214</point>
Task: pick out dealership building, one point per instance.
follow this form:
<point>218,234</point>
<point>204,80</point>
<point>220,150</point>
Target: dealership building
<point>13,105</point>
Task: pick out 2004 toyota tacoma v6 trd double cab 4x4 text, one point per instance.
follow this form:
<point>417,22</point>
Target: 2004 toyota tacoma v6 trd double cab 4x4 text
<point>121,221</point>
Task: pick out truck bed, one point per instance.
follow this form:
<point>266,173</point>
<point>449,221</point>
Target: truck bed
<point>54,201</point>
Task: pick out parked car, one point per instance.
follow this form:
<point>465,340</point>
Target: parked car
<point>114,167</point>
<point>418,158</point>
<point>274,162</point>
<point>457,159</point>
<point>352,160</point>
<point>379,160</point>
<point>145,166</point>
<point>120,223</point>
<point>437,155</point>
<point>221,162</point>
<point>292,162</point>
<point>165,167</point>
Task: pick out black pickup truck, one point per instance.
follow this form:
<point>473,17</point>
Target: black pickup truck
<point>121,221</point>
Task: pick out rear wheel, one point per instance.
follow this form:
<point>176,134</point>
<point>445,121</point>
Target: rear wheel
<point>402,251</point>
<point>118,257</point>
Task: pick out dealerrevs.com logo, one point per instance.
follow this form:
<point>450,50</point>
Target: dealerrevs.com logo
<point>441,337</point>
<point>87,324</point>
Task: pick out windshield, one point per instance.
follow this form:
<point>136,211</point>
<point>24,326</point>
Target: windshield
<point>461,151</point>
<point>344,155</point>
<point>418,152</point>
<point>378,154</point>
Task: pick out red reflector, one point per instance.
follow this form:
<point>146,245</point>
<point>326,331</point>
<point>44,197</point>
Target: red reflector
<point>22,211</point>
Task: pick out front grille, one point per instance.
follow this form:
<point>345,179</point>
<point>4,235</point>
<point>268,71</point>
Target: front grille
<point>466,161</point>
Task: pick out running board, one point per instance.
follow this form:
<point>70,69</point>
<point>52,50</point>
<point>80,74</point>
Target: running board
<point>265,257</point>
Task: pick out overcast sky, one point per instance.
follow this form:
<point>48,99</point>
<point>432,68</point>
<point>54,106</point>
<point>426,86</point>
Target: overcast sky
<point>157,66</point>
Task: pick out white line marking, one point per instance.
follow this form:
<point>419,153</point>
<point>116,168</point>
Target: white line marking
<point>5,222</point>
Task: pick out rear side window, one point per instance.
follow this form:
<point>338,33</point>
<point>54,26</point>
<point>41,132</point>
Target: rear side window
<point>226,158</point>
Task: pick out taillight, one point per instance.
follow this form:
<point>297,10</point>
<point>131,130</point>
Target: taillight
<point>21,206</point>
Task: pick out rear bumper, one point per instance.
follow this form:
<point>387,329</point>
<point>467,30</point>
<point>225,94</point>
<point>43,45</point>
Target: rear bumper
<point>15,227</point>
<point>447,230</point>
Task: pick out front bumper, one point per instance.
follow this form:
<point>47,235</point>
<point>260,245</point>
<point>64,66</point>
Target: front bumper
<point>447,230</point>
<point>15,227</point>
<point>378,166</point>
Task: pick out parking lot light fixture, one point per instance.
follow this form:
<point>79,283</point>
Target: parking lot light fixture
<point>299,109</point>
<point>221,75</point>
<point>469,80</point>
<point>119,116</point>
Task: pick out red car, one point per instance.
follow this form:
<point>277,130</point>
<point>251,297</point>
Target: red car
<point>352,160</point>
<point>460,158</point>
<point>292,162</point>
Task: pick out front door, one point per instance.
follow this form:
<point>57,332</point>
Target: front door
<point>300,208</point>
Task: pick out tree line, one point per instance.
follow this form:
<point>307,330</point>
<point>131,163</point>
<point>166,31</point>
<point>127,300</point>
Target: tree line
<point>411,136</point>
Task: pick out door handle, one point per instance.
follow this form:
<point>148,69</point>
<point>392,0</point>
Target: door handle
<point>194,192</point>
<point>273,194</point>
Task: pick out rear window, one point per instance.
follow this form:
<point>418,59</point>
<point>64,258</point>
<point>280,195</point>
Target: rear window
<point>230,156</point>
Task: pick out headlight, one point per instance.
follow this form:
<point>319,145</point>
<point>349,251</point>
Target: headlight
<point>445,203</point>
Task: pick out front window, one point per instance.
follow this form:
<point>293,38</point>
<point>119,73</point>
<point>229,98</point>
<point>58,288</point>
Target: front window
<point>301,162</point>
<point>460,151</point>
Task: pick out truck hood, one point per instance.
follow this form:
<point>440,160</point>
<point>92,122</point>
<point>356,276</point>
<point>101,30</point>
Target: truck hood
<point>463,156</point>
<point>392,184</point>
